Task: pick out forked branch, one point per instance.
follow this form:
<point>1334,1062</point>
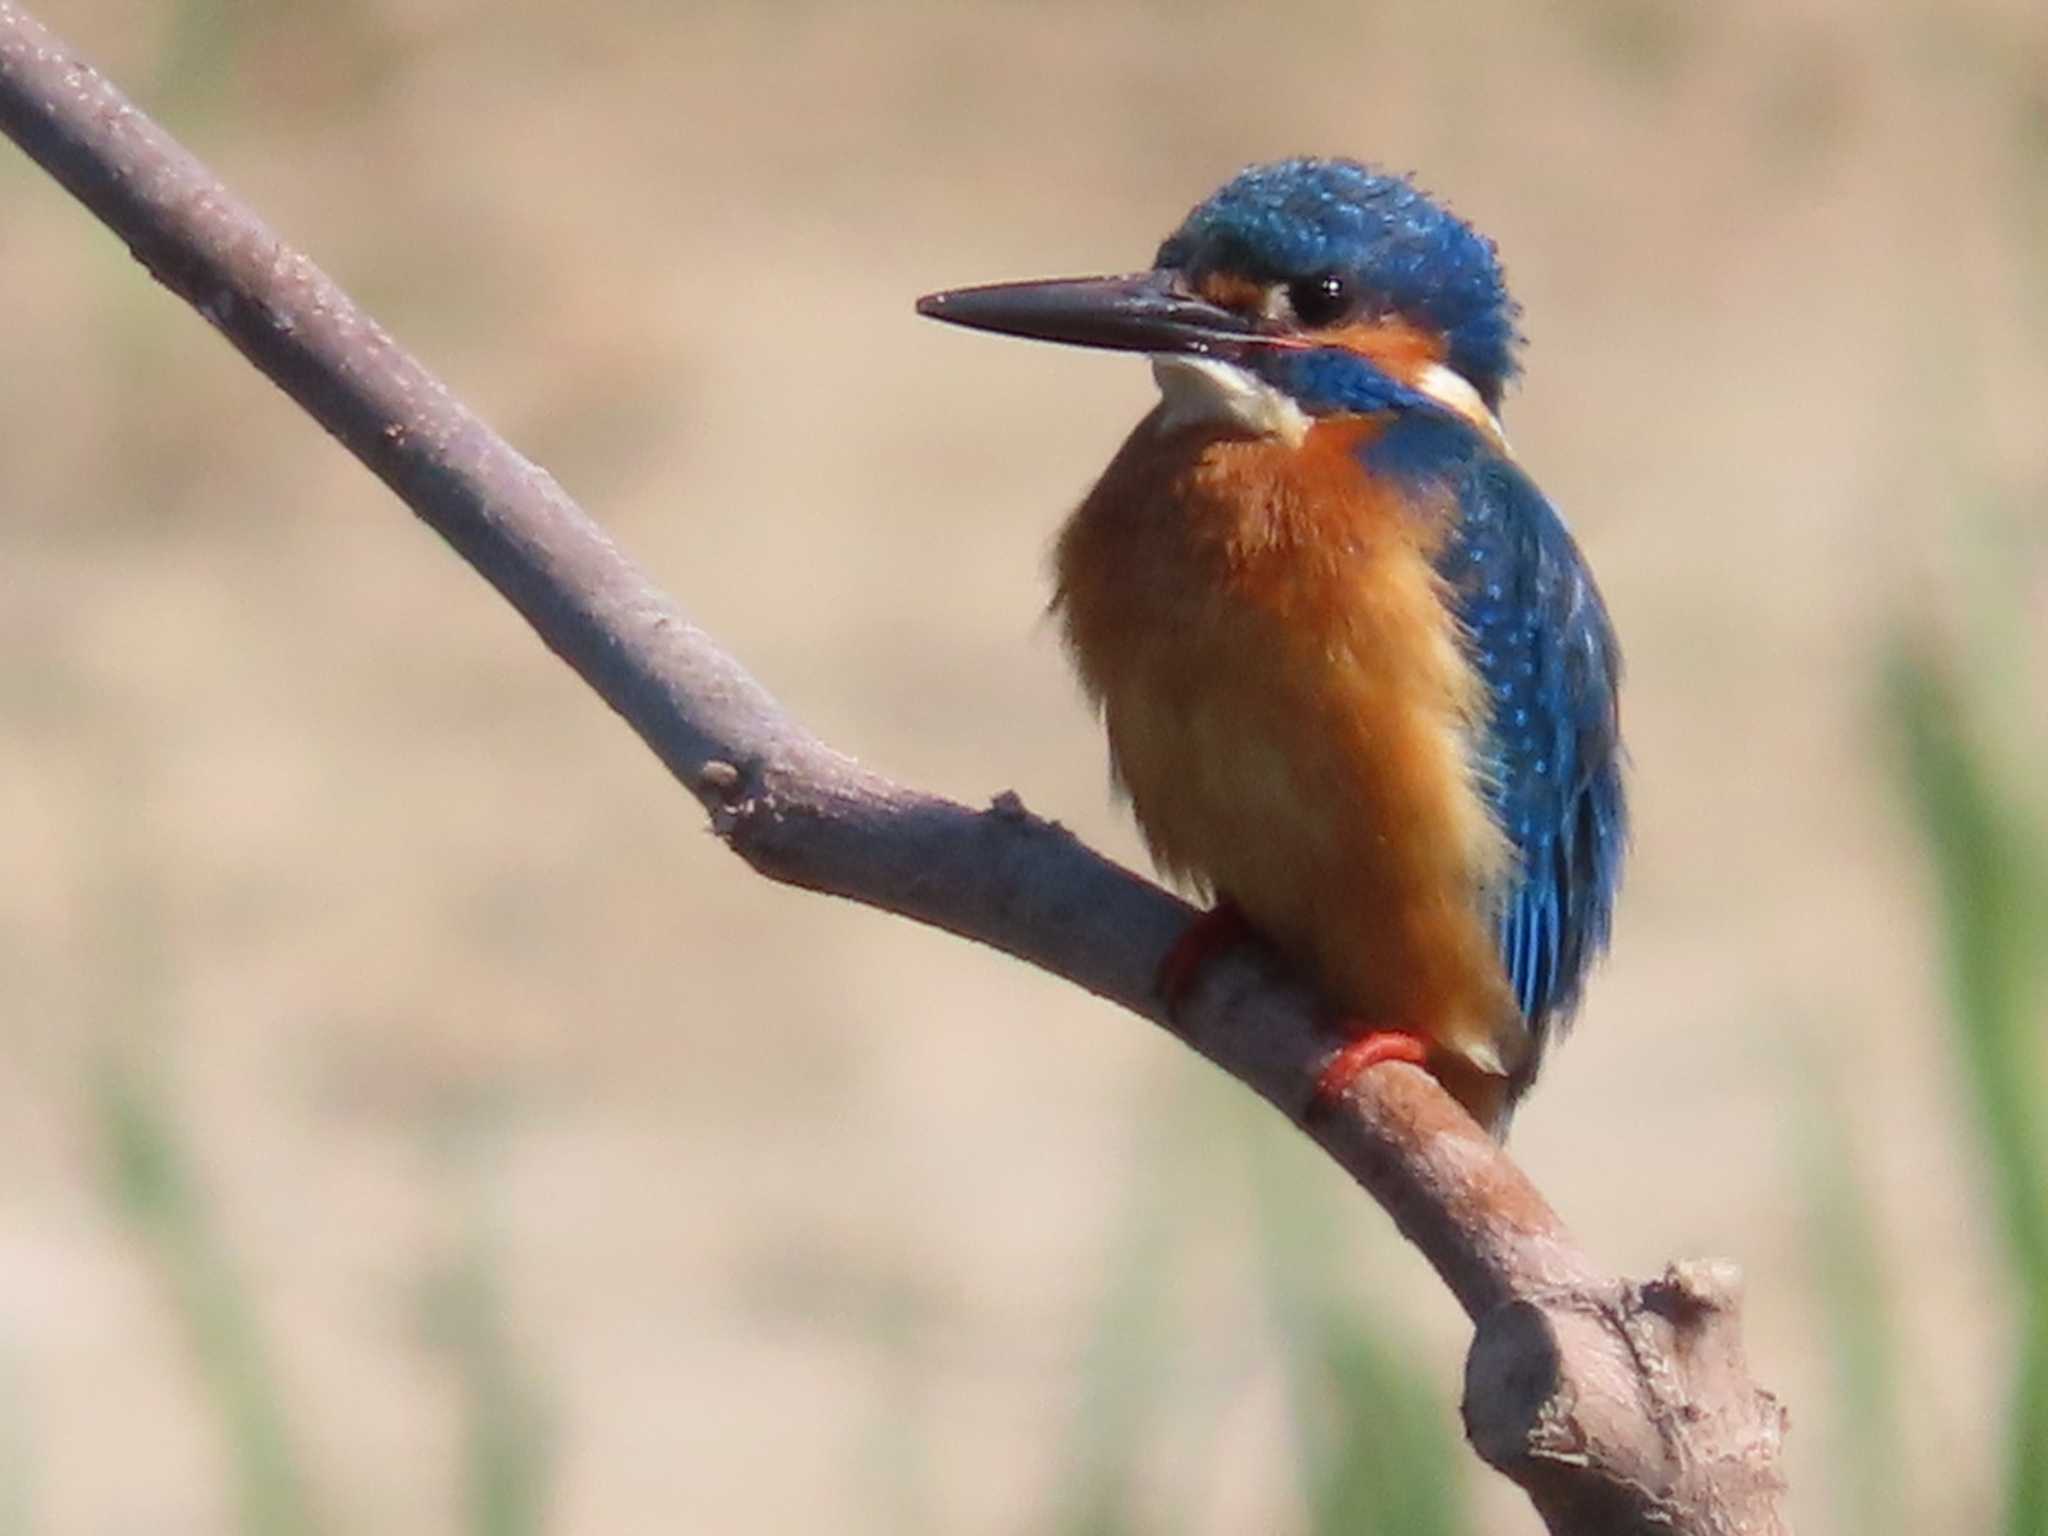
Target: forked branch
<point>1619,1407</point>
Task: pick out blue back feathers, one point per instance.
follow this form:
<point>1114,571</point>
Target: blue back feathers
<point>1538,634</point>
<point>1304,218</point>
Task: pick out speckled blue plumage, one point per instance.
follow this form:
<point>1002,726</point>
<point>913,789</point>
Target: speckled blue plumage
<point>1538,634</point>
<point>1326,381</point>
<point>1301,218</point>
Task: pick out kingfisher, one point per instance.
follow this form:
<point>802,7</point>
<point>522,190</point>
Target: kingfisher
<point>1359,685</point>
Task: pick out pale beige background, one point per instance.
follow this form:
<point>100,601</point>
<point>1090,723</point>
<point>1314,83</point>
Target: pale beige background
<point>802,1215</point>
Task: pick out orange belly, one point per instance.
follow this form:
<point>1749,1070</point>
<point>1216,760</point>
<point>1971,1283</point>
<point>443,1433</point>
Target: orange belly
<point>1290,710</point>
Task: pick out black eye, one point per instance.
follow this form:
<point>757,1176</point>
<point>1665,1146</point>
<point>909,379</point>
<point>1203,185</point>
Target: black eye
<point>1321,300</point>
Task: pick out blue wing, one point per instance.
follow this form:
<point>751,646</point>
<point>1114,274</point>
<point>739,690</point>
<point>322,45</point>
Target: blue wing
<point>1539,635</point>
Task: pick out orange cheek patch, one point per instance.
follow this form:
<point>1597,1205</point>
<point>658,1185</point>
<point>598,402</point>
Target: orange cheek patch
<point>1398,348</point>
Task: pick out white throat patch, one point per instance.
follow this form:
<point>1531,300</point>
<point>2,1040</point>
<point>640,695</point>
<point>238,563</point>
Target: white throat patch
<point>1194,390</point>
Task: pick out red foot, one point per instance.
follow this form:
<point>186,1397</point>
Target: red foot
<point>1222,927</point>
<point>1367,1051</point>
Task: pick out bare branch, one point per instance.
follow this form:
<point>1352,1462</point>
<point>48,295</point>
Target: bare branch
<point>1619,1407</point>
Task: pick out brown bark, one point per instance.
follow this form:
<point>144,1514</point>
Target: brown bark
<point>1619,1407</point>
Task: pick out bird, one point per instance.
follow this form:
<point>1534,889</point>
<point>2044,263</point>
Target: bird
<point>1359,685</point>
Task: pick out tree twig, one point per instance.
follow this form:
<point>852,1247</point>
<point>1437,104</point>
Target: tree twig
<point>1619,1407</point>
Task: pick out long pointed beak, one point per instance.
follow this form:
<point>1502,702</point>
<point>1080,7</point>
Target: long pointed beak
<point>1143,312</point>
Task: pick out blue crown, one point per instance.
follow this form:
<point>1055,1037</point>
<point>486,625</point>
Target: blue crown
<point>1300,219</point>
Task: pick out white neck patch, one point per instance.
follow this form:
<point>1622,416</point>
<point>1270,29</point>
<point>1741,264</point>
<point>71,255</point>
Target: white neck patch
<point>1194,390</point>
<point>1454,392</point>
<point>1197,390</point>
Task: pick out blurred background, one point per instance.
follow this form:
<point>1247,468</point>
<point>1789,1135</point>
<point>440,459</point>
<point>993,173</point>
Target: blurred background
<point>411,1121</point>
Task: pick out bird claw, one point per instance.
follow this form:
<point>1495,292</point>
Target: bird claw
<point>1222,927</point>
<point>1358,1056</point>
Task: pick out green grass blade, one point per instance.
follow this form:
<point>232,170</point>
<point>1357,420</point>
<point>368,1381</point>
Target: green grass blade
<point>17,1463</point>
<point>2026,1508</point>
<point>1992,873</point>
<point>507,1441</point>
<point>156,1191</point>
<point>1378,1454</point>
<point>1867,1449</point>
<point>1988,867</point>
<point>1393,1466</point>
<point>1123,1362</point>
<point>505,1432</point>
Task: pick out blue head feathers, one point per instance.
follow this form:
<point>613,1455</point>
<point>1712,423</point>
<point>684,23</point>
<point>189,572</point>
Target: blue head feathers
<point>1306,220</point>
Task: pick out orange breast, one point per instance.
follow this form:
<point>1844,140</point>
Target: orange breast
<point>1291,712</point>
